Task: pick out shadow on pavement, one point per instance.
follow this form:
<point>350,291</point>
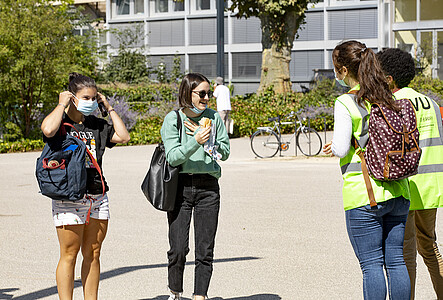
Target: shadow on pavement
<point>253,297</point>
<point>116,272</point>
<point>3,293</point>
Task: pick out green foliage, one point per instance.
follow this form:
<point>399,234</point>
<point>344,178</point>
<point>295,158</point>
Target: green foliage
<point>142,94</point>
<point>38,50</point>
<point>146,131</point>
<point>280,18</point>
<point>12,132</point>
<point>130,64</point>
<point>423,84</point>
<point>23,145</point>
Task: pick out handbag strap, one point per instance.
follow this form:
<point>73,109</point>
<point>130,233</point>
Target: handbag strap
<point>179,125</point>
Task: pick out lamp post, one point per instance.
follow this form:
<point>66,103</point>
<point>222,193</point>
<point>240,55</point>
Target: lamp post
<point>220,38</point>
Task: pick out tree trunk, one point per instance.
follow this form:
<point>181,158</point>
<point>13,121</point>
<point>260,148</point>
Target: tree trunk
<point>277,51</point>
<point>275,70</point>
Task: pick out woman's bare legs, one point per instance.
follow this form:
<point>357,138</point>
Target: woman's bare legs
<point>93,236</point>
<point>70,240</point>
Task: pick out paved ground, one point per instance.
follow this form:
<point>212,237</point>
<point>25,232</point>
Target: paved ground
<point>281,236</point>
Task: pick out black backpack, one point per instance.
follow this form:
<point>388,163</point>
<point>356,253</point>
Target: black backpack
<point>61,168</point>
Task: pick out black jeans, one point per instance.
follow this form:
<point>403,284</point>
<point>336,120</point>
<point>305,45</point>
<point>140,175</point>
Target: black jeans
<point>199,192</point>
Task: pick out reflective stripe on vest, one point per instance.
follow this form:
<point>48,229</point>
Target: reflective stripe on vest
<point>351,167</point>
<point>426,186</point>
<point>437,141</point>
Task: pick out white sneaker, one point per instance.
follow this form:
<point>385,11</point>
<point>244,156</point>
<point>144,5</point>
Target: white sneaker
<point>174,296</point>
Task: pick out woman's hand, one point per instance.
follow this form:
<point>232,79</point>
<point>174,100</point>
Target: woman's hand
<point>102,99</point>
<point>191,125</point>
<point>327,149</point>
<point>203,135</point>
<point>65,98</point>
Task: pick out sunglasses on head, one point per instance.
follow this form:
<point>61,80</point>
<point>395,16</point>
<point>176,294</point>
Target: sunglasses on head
<point>202,94</point>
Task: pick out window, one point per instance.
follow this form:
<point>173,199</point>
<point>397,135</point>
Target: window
<point>178,6</point>
<point>246,65</point>
<point>406,40</point>
<point>431,10</point>
<point>166,6</point>
<point>125,8</point>
<point>161,6</point>
<point>405,10</point>
<point>203,4</point>
<point>122,7</point>
<point>139,6</point>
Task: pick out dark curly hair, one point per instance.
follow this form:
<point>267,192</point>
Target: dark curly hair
<point>399,64</point>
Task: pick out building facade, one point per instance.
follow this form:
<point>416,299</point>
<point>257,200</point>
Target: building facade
<point>188,29</point>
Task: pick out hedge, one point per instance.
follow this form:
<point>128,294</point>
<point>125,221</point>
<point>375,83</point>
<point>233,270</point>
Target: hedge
<point>153,101</point>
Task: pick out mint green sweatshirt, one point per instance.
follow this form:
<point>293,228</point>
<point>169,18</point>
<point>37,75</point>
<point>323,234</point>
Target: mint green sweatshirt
<point>190,154</point>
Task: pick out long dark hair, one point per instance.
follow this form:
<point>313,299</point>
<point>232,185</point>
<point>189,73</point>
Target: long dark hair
<point>78,82</point>
<point>188,84</point>
<point>362,65</point>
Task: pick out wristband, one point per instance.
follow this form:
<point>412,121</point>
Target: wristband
<point>62,105</point>
<point>109,111</point>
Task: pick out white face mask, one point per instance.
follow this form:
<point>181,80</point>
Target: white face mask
<point>341,81</point>
<point>86,107</point>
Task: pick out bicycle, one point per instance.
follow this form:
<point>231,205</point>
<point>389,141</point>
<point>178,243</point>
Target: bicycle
<point>267,140</point>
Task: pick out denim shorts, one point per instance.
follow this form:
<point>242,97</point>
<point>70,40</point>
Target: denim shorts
<point>76,212</point>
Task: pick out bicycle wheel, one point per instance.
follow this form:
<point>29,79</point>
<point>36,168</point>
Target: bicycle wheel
<point>309,141</point>
<point>265,143</point>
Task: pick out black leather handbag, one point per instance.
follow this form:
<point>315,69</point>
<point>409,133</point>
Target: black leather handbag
<point>160,183</point>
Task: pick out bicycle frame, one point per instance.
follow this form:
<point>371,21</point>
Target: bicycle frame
<point>298,125</point>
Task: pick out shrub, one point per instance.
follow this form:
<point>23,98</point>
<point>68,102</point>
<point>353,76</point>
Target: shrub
<point>22,145</point>
<point>12,132</point>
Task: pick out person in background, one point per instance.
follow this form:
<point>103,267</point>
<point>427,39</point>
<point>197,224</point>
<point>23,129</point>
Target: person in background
<point>427,186</point>
<point>75,106</point>
<point>376,233</point>
<point>196,150</point>
<point>223,95</point>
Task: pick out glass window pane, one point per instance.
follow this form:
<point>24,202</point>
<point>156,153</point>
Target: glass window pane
<point>178,6</point>
<point>424,51</point>
<point>122,7</point>
<point>161,6</point>
<point>139,6</point>
<point>203,4</point>
<point>431,10</point>
<point>406,40</point>
<point>405,10</point>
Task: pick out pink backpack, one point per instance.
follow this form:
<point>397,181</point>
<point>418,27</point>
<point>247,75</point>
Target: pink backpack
<point>392,151</point>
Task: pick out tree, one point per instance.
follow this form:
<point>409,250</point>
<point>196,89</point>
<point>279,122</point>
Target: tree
<point>280,21</point>
<point>38,49</point>
<point>130,64</point>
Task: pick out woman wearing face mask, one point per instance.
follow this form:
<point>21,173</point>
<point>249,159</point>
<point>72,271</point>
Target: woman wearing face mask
<point>74,232</point>
<point>196,150</point>
<point>376,233</point>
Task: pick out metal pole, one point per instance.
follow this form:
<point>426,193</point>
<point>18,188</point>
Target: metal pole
<point>220,38</point>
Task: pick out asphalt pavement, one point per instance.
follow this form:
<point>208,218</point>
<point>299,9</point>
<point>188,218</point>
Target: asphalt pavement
<point>281,233</point>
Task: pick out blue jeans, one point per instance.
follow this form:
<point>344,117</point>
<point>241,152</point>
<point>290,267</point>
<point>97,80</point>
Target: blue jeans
<point>197,194</point>
<point>377,235</point>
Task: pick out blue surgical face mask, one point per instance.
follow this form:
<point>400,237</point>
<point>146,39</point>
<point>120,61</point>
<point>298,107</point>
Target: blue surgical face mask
<point>196,110</point>
<point>341,81</point>
<point>86,107</point>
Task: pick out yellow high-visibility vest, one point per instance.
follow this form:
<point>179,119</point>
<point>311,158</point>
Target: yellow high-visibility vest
<point>354,188</point>
<point>427,186</point>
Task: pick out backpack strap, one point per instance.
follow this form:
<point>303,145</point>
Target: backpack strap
<point>91,157</point>
<point>365,172</point>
